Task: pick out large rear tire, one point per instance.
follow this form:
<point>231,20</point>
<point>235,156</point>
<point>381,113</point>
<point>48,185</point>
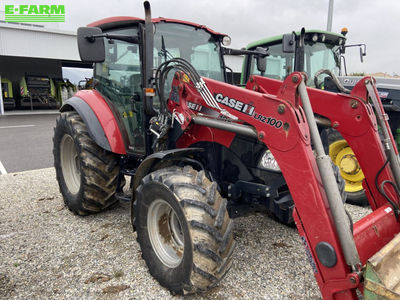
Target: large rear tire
<point>183,229</point>
<point>87,174</point>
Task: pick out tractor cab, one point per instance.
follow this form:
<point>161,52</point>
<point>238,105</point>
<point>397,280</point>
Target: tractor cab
<point>126,65</point>
<point>322,50</point>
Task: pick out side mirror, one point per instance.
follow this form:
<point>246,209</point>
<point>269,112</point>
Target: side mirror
<point>261,59</point>
<point>363,52</point>
<point>361,55</point>
<point>289,43</point>
<point>90,49</point>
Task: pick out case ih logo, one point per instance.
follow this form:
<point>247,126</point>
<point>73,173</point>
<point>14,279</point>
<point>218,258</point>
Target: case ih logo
<point>35,13</point>
<point>235,104</point>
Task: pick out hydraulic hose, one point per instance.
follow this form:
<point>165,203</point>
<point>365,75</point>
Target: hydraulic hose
<point>334,78</point>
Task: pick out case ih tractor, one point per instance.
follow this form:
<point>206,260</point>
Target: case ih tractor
<point>201,152</point>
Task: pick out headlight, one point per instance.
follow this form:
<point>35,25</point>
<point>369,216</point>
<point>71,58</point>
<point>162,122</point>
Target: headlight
<point>322,37</point>
<point>268,162</point>
<point>314,37</point>
<point>226,40</point>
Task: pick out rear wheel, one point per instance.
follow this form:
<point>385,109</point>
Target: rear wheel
<point>86,174</point>
<point>343,156</point>
<point>183,229</point>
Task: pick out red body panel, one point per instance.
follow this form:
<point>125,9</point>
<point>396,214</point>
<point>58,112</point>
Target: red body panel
<point>106,118</point>
<point>290,144</point>
<point>109,20</point>
<point>199,134</point>
<point>376,229</point>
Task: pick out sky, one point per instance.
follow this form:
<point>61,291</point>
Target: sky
<point>375,23</point>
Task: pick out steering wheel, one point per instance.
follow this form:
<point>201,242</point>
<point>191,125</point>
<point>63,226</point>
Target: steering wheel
<point>318,84</point>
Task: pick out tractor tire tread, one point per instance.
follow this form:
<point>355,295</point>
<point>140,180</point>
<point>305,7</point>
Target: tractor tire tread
<point>208,222</point>
<point>99,168</point>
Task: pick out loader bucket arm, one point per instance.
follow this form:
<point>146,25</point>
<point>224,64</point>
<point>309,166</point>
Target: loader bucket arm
<point>279,122</point>
<point>354,118</point>
<point>376,235</point>
<point>277,118</point>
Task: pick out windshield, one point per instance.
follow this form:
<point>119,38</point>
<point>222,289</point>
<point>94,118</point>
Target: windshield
<point>195,45</point>
<point>317,56</point>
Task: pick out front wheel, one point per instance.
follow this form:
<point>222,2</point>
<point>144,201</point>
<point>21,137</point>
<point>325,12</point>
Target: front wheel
<point>183,229</point>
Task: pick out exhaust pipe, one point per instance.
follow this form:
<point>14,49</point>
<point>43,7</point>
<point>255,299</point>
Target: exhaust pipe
<point>148,61</point>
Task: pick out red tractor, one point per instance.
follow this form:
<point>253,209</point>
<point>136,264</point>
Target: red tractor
<point>201,152</point>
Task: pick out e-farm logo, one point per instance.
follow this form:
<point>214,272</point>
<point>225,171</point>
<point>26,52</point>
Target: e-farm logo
<point>35,13</point>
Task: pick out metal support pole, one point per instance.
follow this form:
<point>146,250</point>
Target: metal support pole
<point>332,191</point>
<point>330,16</point>
<point>1,100</point>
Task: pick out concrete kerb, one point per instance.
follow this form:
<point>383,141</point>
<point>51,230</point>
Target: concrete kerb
<point>30,112</point>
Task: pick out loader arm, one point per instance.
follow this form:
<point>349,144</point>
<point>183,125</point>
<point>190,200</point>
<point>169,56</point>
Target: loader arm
<point>272,111</point>
<point>279,122</point>
<point>354,118</point>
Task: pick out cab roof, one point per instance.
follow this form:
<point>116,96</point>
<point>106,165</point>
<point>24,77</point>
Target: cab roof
<point>122,21</point>
<point>330,36</point>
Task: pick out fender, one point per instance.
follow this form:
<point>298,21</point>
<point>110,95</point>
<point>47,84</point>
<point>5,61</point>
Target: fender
<point>148,165</point>
<point>99,118</point>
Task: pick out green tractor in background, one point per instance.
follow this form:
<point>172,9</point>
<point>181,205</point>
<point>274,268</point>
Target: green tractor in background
<point>321,55</point>
<point>7,91</point>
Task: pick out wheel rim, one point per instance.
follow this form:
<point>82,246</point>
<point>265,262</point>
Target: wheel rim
<point>70,164</point>
<point>165,233</point>
<point>343,156</point>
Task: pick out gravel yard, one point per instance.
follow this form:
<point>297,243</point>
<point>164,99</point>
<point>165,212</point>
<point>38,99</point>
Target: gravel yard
<point>47,252</point>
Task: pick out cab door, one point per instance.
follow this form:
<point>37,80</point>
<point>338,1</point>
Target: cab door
<point>119,80</point>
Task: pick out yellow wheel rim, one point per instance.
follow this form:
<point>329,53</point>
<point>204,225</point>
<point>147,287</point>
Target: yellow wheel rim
<point>342,156</point>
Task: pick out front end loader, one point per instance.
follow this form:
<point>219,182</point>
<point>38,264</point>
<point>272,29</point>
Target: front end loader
<point>282,117</point>
<point>201,152</point>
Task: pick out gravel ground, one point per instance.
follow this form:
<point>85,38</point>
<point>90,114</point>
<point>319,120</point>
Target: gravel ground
<point>47,252</point>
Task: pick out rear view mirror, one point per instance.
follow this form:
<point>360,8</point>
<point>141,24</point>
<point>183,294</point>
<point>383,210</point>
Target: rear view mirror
<point>363,52</point>
<point>90,49</point>
<point>361,55</point>
<point>289,43</point>
<point>261,59</point>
